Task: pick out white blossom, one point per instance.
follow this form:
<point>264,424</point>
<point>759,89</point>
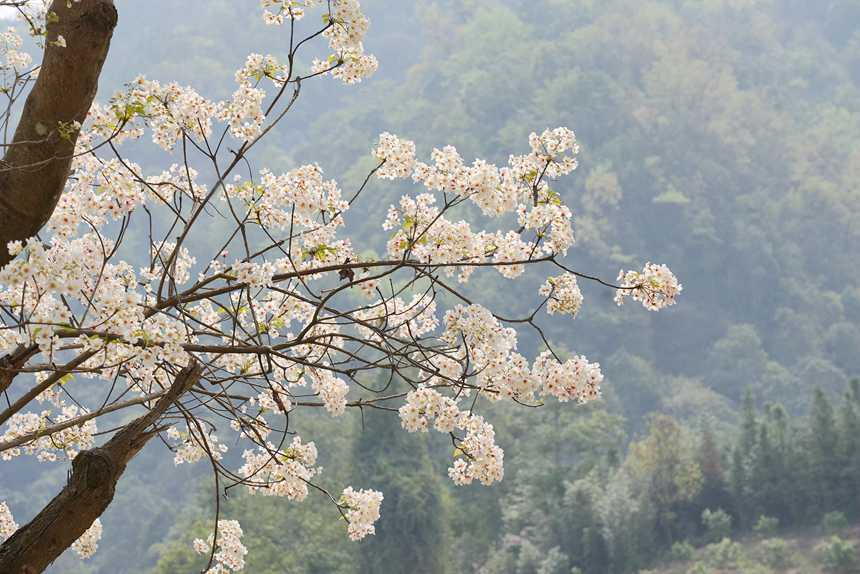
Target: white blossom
<point>88,543</point>
<point>656,287</point>
<point>229,551</point>
<point>362,511</point>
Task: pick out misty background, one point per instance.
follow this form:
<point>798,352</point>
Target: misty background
<point>718,136</point>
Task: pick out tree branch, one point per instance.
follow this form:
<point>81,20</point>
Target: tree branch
<point>77,421</point>
<point>89,491</point>
<point>36,166</point>
<point>9,363</point>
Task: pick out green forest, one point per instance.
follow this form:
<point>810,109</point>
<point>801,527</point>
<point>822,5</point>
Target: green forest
<point>723,135</point>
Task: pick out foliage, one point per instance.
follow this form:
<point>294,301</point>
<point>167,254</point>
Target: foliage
<point>776,554</point>
<point>718,524</point>
<point>838,555</point>
<point>682,551</point>
<point>766,525</point>
<point>723,554</point>
<point>834,522</point>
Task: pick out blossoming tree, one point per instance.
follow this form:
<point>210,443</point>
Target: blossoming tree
<point>281,316</point>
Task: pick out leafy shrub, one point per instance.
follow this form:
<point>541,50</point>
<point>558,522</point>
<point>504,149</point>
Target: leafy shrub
<point>838,555</point>
<point>766,525</point>
<point>834,522</point>
<point>699,568</point>
<point>776,554</point>
<point>718,524</point>
<point>723,554</point>
<point>682,551</point>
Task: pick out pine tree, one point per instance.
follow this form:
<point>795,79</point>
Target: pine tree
<point>410,535</point>
<point>742,462</point>
<point>823,442</point>
<point>715,490</point>
<point>749,426</point>
<point>766,477</point>
<point>849,451</point>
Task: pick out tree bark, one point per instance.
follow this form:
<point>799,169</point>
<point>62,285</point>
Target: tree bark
<point>89,491</point>
<point>36,166</point>
<point>12,361</point>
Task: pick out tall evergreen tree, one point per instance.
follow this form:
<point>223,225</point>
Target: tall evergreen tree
<point>410,535</point>
<point>849,452</point>
<point>715,490</point>
<point>742,462</point>
<point>823,445</point>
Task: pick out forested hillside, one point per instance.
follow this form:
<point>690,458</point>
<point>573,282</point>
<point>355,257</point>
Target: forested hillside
<point>723,135</point>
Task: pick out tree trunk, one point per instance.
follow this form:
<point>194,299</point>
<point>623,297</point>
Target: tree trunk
<point>36,166</point>
<point>89,491</point>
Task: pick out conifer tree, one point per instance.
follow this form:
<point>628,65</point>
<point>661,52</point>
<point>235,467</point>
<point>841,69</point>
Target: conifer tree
<point>823,452</point>
<point>410,536</point>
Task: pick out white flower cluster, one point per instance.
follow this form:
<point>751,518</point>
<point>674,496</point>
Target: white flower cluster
<point>244,112</point>
<point>285,473</point>
<point>501,372</point>
<point>490,346</point>
<point>347,26</point>
<point>405,320</point>
<point>345,35</point>
<point>501,190</point>
<point>273,400</point>
<point>509,247</point>
<point>8,526</point>
<point>551,222</point>
<point>575,379</point>
<point>253,274</point>
<point>479,458</point>
<point>34,13</point>
<point>100,191</point>
<point>170,110</point>
<point>556,149</point>
<point>13,61</point>
<point>430,237</point>
<point>178,271</point>
<point>655,286</point>
<point>563,293</point>
<point>297,197</point>
<point>193,448</point>
<point>495,191</point>
<point>230,552</point>
<point>88,543</point>
<point>258,67</point>
<point>424,404</point>
<point>398,155</point>
<point>362,511</point>
<point>521,187</point>
<point>68,441</point>
<point>45,281</point>
<point>284,9</point>
<point>331,390</point>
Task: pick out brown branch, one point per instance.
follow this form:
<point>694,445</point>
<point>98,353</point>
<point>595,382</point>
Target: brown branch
<point>9,364</point>
<point>34,392</point>
<point>89,491</point>
<point>77,421</point>
<point>36,166</point>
